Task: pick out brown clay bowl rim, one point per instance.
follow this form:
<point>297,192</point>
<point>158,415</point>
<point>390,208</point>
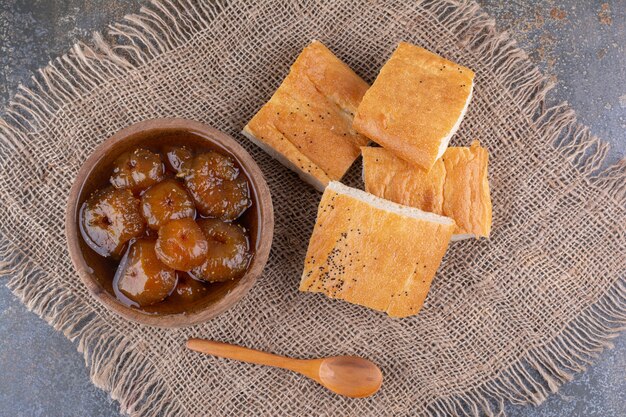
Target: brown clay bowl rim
<point>265,224</point>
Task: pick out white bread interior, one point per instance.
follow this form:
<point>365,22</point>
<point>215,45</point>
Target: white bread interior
<point>387,205</point>
<point>446,140</point>
<point>462,236</point>
<point>305,176</point>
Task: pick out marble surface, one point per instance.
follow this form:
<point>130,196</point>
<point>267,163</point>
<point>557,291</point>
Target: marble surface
<point>579,44</point>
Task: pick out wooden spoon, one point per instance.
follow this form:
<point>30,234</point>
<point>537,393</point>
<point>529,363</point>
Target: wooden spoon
<point>345,375</point>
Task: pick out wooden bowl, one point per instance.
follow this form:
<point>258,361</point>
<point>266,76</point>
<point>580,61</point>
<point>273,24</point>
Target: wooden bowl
<point>92,268</point>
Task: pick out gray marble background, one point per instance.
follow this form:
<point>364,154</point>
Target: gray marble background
<point>579,43</point>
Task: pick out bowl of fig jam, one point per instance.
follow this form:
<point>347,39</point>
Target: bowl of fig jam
<point>169,222</point>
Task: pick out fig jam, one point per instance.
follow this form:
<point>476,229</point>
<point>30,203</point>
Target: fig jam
<point>140,220</point>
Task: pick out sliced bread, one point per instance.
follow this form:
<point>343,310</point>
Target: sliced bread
<point>307,123</point>
<point>416,104</point>
<point>373,252</point>
<point>456,186</point>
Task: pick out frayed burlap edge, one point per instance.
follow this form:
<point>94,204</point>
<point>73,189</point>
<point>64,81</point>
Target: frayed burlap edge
<point>167,25</point>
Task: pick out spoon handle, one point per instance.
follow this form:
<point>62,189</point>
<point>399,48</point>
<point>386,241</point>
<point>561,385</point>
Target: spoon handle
<point>240,353</point>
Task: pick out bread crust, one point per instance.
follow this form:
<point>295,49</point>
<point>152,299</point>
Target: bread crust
<point>415,104</point>
<point>308,121</point>
<point>457,186</point>
<point>367,255</point>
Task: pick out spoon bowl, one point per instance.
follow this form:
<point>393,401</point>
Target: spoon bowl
<point>350,376</point>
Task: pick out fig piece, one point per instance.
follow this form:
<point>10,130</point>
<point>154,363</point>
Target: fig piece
<point>137,170</point>
<point>189,289</point>
<point>176,156</point>
<point>228,255</point>
<point>166,201</point>
<point>142,277</point>
<point>110,218</point>
<point>216,185</point>
<point>181,244</point>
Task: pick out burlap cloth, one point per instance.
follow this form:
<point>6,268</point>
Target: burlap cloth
<point>509,318</point>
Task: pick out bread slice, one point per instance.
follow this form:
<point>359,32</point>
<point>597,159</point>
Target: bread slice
<point>373,252</point>
<point>456,186</point>
<point>307,124</point>
<point>416,104</point>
